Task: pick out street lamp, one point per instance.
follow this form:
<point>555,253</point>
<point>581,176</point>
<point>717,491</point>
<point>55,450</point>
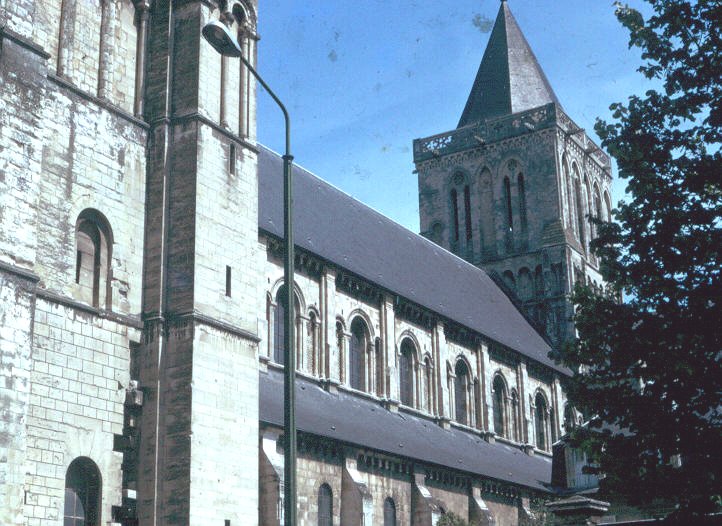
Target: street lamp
<point>220,37</point>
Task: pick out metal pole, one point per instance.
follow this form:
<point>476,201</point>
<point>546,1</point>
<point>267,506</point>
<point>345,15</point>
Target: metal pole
<point>289,377</point>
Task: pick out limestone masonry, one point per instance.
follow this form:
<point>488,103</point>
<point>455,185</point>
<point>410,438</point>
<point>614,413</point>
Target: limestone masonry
<point>141,270</point>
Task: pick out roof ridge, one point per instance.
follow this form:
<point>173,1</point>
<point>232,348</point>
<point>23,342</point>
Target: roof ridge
<point>381,214</point>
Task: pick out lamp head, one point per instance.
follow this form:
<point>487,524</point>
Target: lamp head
<point>220,37</point>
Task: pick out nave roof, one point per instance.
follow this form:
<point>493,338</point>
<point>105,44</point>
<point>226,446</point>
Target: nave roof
<point>344,231</point>
<point>352,419</point>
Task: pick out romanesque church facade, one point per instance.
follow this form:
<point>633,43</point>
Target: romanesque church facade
<point>140,283</point>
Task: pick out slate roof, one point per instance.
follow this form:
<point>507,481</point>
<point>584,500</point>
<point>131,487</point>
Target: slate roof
<point>509,79</point>
<point>355,420</point>
<point>340,229</point>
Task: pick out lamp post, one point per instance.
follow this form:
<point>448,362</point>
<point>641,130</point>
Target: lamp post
<point>219,36</point>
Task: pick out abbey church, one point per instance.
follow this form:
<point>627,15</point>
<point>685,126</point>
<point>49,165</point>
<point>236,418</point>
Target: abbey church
<point>141,277</point>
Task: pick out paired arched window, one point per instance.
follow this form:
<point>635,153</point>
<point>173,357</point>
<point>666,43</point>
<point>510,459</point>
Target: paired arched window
<point>500,406</point>
<point>93,253</point>
<point>461,389</point>
<point>357,354</point>
<point>279,324</point>
<point>82,493</point>
<point>406,372</point>
<point>541,421</point>
<point>325,506</point>
<point>389,512</point>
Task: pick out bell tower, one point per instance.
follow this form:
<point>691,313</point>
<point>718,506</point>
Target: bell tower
<point>512,188</point>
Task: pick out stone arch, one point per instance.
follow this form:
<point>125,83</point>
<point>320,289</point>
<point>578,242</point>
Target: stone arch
<point>542,411</point>
<point>567,185</point>
<point>83,492</point>
<point>93,258</point>
<point>607,207</point>
<point>408,359</point>
<point>500,410</point>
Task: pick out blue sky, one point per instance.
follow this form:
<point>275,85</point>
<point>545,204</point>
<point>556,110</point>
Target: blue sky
<point>363,79</point>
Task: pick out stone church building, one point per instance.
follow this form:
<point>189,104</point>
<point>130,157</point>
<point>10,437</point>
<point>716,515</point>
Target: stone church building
<point>140,274</point>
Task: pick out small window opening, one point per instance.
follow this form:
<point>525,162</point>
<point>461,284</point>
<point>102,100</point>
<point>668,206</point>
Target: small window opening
<point>228,281</point>
<point>232,160</point>
<point>78,263</point>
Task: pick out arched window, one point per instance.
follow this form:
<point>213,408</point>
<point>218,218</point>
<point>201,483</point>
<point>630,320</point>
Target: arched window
<point>541,421</point>
<point>93,244</point>
<point>279,324</point>
<point>500,410</point>
<point>522,202</point>
<point>508,277</point>
<point>526,287</point>
<point>569,419</point>
<point>313,328</point>
<point>357,354</point>
<point>515,416</point>
<point>454,214</point>
<point>406,372</point>
<point>325,506</point>
<point>461,387</point>
<point>579,212</point>
<point>389,512</point>
<point>539,281</point>
<point>506,194</point>
<point>427,383</point>
<point>467,211</point>
<point>82,493</point>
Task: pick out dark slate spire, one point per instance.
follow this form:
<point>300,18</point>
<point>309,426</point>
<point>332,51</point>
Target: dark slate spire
<point>510,79</point>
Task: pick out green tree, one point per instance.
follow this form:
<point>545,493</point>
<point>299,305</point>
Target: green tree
<point>651,366</point>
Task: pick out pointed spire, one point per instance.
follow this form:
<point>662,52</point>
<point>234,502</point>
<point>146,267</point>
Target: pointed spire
<point>509,79</point>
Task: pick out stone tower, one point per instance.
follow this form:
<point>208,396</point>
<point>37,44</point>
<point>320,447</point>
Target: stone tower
<point>512,188</point>
<point>129,264</point>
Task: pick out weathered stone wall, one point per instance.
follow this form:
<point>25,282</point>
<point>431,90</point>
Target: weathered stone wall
<point>16,315</point>
<point>80,373</point>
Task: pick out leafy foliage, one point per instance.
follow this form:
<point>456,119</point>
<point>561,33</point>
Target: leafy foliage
<point>452,519</point>
<point>650,368</point>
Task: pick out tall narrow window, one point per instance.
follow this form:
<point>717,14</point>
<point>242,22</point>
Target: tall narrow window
<point>232,159</point>
<point>569,421</point>
<point>522,201</point>
<point>509,218</point>
<point>389,512</point>
<point>514,420</point>
<point>580,212</point>
<point>315,361</point>
<point>93,243</point>
<point>82,493</point>
<point>541,422</point>
<point>228,281</point>
<point>325,506</point>
<point>279,324</point>
<point>357,353</point>
<point>461,386</point>
<point>427,383</point>
<point>455,214</point>
<point>406,372</point>
<point>467,211</point>
<point>499,388</point>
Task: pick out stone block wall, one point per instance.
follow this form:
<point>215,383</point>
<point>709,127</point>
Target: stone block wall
<point>80,373</point>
